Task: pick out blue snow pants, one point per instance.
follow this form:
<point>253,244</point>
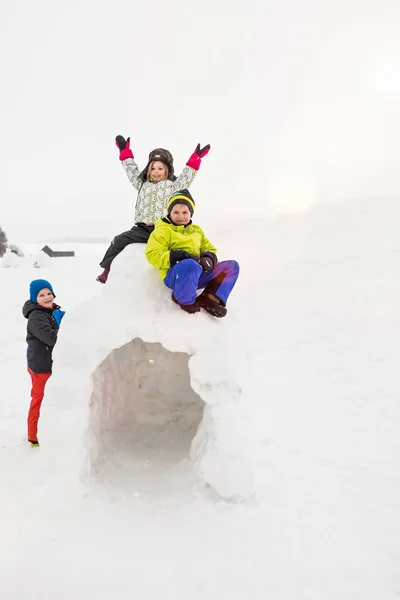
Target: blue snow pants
<point>186,276</point>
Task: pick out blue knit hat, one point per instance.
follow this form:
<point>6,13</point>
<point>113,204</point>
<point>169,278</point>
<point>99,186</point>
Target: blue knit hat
<point>36,286</point>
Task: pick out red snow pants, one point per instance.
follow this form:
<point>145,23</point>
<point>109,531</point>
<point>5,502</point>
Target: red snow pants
<point>39,381</point>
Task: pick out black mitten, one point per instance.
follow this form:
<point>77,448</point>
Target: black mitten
<point>121,142</point>
<point>202,151</point>
<point>208,261</point>
<point>178,255</point>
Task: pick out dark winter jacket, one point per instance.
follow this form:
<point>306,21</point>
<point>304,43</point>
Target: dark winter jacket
<point>42,330</point>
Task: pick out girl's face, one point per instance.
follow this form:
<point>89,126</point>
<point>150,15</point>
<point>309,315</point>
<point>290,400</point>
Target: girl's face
<point>180,214</point>
<point>158,171</point>
<point>45,298</point>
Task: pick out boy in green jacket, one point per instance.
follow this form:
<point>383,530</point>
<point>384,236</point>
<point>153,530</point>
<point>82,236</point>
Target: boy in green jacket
<point>187,260</point>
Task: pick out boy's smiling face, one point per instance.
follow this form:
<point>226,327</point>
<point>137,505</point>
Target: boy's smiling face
<point>180,214</point>
<point>45,298</point>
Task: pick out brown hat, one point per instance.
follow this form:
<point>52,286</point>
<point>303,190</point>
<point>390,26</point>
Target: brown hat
<point>163,156</point>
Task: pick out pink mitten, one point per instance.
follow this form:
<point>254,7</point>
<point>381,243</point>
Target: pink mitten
<point>124,147</point>
<point>195,160</point>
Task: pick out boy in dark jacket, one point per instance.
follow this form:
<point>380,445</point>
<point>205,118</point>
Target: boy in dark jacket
<point>44,318</point>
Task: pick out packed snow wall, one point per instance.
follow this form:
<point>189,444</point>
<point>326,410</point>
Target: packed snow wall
<point>148,388</point>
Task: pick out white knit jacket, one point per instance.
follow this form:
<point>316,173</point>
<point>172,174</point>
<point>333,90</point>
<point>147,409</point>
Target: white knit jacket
<point>151,203</point>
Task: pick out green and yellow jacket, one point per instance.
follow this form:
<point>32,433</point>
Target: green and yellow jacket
<point>167,236</point>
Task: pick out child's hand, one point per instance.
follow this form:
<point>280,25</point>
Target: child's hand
<point>58,315</point>
<point>195,160</point>
<point>206,264</point>
<point>124,147</point>
<point>178,255</point>
<point>208,261</point>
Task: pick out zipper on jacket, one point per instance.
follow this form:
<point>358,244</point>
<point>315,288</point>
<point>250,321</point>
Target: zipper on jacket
<point>149,220</point>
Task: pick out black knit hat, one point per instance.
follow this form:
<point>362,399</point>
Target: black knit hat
<point>181,197</point>
<point>163,156</point>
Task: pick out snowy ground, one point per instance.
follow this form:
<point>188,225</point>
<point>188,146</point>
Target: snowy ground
<point>317,307</point>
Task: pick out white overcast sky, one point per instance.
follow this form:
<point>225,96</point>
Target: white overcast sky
<point>299,100</point>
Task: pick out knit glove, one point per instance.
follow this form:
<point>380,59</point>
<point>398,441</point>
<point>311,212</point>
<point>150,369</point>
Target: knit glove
<point>195,160</point>
<point>58,315</point>
<point>208,261</point>
<point>178,255</point>
<point>124,147</point>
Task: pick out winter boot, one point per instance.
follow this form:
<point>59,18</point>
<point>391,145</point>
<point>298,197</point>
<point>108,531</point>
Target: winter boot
<point>211,304</point>
<point>103,276</point>
<point>190,308</point>
<point>34,443</point>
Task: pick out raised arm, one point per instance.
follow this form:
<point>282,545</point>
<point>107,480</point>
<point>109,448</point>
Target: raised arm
<point>195,159</point>
<point>126,157</point>
<point>185,179</point>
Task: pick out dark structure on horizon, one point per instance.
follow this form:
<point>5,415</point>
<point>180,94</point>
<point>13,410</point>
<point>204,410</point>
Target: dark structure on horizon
<point>56,254</point>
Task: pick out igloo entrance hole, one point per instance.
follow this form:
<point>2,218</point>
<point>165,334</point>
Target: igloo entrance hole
<point>143,412</point>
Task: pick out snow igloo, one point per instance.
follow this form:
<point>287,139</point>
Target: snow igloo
<point>148,392</point>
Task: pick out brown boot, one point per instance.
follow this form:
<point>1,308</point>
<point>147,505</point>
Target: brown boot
<point>190,308</point>
<point>211,304</point>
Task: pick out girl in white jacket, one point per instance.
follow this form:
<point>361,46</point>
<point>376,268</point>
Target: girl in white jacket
<point>155,185</point>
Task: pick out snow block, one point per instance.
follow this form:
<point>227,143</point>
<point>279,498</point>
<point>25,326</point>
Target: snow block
<point>148,389</point>
<point>41,260</point>
<point>10,260</point>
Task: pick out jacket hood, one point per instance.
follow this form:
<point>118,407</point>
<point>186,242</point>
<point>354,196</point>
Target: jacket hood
<point>30,306</point>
